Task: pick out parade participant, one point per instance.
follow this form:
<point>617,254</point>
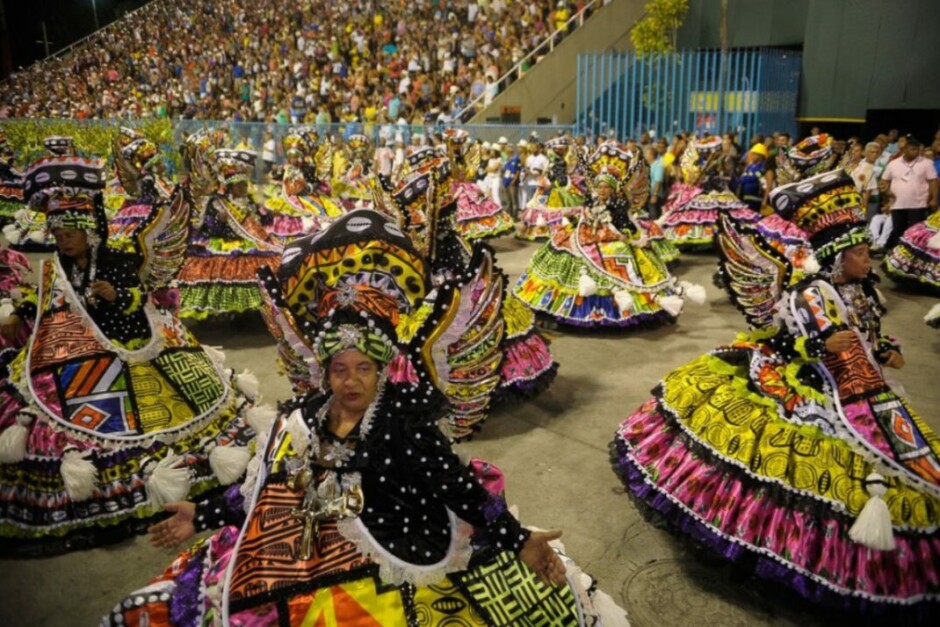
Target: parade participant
<point>139,166</point>
<point>915,260</point>
<point>691,210</point>
<point>302,203</point>
<point>111,408</point>
<point>505,345</point>
<point>598,270</point>
<point>788,451</point>
<point>479,215</point>
<point>385,524</point>
<point>228,242</point>
<point>11,183</point>
<point>553,193</point>
<point>355,185</point>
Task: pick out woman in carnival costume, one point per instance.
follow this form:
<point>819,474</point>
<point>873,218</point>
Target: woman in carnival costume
<point>27,229</point>
<point>478,215</point>
<point>690,213</point>
<point>15,292</point>
<point>356,510</point>
<point>116,194</point>
<point>139,168</point>
<point>628,205</point>
<point>806,159</point>
<point>915,261</point>
<point>111,408</point>
<point>788,451</point>
<point>303,203</point>
<point>355,183</point>
<point>11,183</point>
<point>555,197</point>
<point>502,356</point>
<point>228,243</point>
<point>599,270</point>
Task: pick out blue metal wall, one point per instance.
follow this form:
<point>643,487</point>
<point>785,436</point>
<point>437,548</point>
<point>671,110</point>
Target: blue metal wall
<point>623,94</point>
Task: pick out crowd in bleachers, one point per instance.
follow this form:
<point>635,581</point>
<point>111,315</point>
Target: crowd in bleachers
<point>304,62</point>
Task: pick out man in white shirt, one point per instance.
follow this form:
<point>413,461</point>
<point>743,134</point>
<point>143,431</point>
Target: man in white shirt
<point>914,186</point>
<point>536,166</point>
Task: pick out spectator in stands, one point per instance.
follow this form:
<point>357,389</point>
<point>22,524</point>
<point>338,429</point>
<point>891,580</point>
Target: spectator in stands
<point>250,60</point>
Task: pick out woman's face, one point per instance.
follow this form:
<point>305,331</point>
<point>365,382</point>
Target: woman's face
<point>604,191</point>
<point>72,243</point>
<point>856,264</point>
<point>354,380</point>
<point>239,189</point>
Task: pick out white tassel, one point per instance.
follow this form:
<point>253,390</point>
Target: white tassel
<point>933,316</point>
<point>624,300</point>
<point>810,265</point>
<point>12,234</point>
<point>215,353</point>
<point>586,285</point>
<point>248,383</point>
<point>260,418</point>
<point>228,463</point>
<point>671,304</point>
<point>167,484</point>
<point>307,224</point>
<point>6,310</point>
<point>934,241</point>
<point>37,237</point>
<point>873,525</point>
<point>21,214</point>
<point>299,433</point>
<point>607,610</point>
<point>540,222</point>
<point>78,474</point>
<point>13,440</point>
<point>693,292</point>
<point>247,488</point>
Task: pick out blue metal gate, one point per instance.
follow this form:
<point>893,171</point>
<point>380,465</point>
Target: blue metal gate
<point>701,91</point>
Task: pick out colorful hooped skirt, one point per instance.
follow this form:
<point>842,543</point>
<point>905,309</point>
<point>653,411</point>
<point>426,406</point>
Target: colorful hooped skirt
<point>719,453</point>
<point>915,261</point>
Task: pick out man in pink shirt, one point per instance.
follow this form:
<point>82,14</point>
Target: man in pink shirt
<point>914,185</point>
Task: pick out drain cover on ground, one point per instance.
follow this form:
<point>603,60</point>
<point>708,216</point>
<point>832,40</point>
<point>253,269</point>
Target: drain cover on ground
<point>682,592</point>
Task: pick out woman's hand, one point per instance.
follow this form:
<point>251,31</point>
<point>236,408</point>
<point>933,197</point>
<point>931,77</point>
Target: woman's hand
<point>542,559</point>
<point>839,341</point>
<point>176,529</point>
<point>104,290</point>
<point>11,327</point>
<point>893,359</point>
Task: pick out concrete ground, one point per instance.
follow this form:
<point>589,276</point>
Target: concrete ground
<point>554,451</point>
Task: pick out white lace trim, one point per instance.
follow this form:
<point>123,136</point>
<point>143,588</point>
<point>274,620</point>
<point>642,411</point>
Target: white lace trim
<point>394,570</point>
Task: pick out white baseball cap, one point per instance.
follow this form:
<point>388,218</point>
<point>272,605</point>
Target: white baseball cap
<point>522,143</point>
<point>503,141</point>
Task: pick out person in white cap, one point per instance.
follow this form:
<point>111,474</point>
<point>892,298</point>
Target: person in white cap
<point>536,166</point>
